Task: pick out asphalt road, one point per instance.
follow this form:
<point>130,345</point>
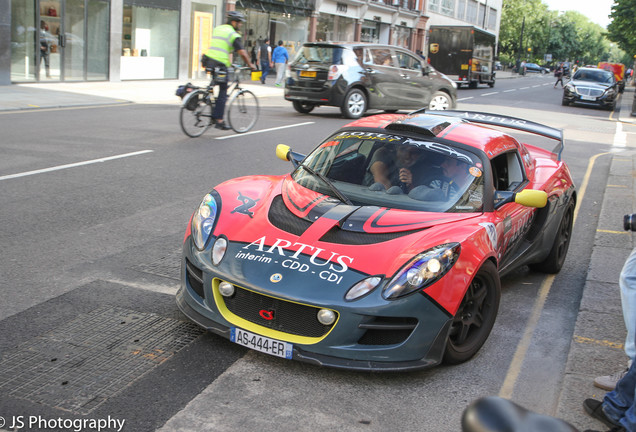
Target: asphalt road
<point>95,202</point>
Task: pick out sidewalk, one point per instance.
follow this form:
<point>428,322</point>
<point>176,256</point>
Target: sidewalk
<point>76,94</point>
<point>599,334</point>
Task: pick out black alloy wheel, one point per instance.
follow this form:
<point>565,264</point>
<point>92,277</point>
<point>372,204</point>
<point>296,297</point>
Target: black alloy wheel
<point>475,317</point>
<point>554,262</point>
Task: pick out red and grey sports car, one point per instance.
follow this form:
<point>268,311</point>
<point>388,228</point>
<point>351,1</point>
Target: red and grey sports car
<point>384,248</point>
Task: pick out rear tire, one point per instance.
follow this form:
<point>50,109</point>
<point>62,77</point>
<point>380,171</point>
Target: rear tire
<point>475,317</point>
<point>194,122</point>
<point>354,104</point>
<point>303,107</point>
<point>554,261</point>
<point>440,101</point>
<point>242,111</point>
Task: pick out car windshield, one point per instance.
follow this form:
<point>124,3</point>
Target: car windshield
<point>599,75</point>
<point>328,54</point>
<point>395,171</point>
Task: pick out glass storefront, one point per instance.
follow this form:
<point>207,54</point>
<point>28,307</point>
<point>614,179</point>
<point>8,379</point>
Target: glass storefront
<point>59,40</point>
<point>150,39</point>
<point>402,36</point>
<point>291,29</point>
<point>370,32</point>
<point>335,28</point>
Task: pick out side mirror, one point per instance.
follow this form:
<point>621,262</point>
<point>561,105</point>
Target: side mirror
<point>282,152</point>
<point>285,153</point>
<point>532,198</point>
<point>527,198</point>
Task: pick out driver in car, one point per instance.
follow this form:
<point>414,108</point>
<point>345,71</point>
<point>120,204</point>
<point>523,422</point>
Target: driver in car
<point>401,167</point>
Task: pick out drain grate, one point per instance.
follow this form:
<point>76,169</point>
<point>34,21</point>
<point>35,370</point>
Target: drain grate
<point>168,266</point>
<point>78,366</point>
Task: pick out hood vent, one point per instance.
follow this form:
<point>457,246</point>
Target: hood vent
<point>283,219</point>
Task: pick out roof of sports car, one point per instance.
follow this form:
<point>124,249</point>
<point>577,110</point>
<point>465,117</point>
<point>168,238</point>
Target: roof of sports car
<point>488,140</point>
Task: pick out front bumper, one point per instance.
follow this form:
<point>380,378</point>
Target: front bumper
<point>368,335</point>
<point>605,100</point>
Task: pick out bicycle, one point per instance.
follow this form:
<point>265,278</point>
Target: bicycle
<point>241,111</point>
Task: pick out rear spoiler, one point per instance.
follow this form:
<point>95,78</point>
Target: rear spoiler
<point>507,122</point>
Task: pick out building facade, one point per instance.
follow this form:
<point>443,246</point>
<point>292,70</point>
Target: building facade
<point>114,40</point>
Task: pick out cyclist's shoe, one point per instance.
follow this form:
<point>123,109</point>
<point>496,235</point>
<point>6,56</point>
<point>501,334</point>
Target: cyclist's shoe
<point>222,125</point>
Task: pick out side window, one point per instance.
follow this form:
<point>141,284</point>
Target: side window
<point>382,57</point>
<point>507,171</point>
<point>407,61</point>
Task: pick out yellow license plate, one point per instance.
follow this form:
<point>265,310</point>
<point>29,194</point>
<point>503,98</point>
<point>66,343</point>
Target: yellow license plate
<point>308,74</point>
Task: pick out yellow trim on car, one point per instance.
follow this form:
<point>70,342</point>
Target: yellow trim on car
<point>258,329</point>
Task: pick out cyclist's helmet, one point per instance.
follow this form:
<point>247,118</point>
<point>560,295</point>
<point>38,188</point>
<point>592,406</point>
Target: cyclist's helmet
<point>235,16</point>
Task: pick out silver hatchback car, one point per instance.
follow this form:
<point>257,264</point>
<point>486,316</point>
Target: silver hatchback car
<point>358,76</point>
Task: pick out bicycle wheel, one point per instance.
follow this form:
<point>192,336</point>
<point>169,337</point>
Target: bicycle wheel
<point>196,115</point>
<point>242,111</point>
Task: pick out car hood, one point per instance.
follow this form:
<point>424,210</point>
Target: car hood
<point>276,215</point>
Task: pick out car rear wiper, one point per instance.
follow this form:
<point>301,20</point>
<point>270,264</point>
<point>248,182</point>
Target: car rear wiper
<point>328,182</point>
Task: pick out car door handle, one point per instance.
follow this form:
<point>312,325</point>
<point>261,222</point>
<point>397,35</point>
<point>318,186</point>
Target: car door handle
<point>370,71</point>
<point>405,76</point>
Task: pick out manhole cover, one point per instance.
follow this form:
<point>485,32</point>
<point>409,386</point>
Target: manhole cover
<point>77,366</point>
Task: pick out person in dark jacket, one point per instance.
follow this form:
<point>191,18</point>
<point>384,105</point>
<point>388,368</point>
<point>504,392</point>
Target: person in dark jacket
<point>558,73</point>
<point>264,58</point>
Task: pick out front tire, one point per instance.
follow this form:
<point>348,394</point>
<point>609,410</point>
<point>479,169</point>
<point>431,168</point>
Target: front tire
<point>354,104</point>
<point>554,262</point>
<point>242,111</point>
<point>475,317</point>
<point>303,107</point>
<point>440,101</point>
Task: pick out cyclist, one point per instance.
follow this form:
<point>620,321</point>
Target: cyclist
<point>225,39</point>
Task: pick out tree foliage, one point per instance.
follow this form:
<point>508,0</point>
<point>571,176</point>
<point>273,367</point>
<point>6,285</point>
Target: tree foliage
<point>622,29</point>
<point>529,30</point>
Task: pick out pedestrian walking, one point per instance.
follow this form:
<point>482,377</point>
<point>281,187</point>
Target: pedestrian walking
<point>627,284</point>
<point>265,58</point>
<point>558,73</point>
<point>225,39</point>
<point>280,57</point>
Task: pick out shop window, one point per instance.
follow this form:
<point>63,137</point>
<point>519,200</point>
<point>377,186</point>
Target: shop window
<point>150,42</point>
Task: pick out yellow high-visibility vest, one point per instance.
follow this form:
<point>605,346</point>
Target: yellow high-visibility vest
<point>221,45</point>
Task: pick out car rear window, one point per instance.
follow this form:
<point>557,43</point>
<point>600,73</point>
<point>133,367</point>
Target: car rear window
<point>327,55</point>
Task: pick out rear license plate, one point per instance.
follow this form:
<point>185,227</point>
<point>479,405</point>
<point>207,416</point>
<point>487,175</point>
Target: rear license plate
<point>261,343</point>
<point>588,98</point>
<point>308,74</point>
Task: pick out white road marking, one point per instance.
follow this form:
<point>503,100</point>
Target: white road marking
<point>73,165</point>
<point>620,137</point>
<point>463,99</point>
<point>508,91</point>
<point>488,94</point>
<point>263,130</point>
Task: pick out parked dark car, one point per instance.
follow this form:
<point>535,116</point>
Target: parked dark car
<point>533,67</point>
<point>591,86</point>
<point>358,76</point>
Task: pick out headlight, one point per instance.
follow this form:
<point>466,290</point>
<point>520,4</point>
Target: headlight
<point>363,287</point>
<point>422,271</point>
<point>203,221</point>
<point>609,91</point>
<point>569,87</point>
